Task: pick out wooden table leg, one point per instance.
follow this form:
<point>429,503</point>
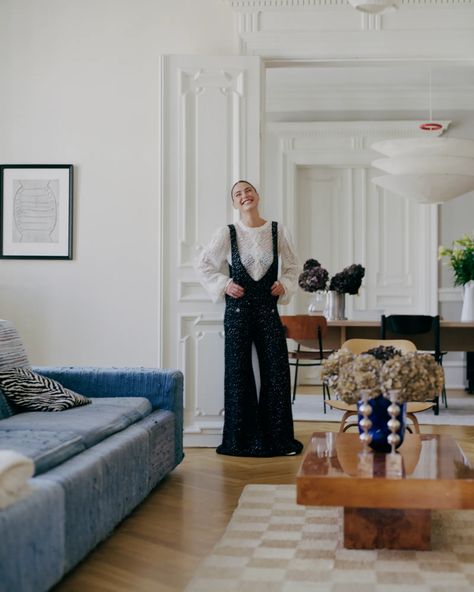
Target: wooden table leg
<point>369,528</point>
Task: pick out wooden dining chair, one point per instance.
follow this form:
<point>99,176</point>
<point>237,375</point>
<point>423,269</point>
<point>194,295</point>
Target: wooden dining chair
<point>359,346</point>
<point>406,325</point>
<point>308,332</point>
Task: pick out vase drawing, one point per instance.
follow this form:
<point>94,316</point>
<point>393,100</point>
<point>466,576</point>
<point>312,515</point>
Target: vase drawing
<point>318,300</point>
<point>379,418</point>
<point>335,309</point>
<point>35,212</point>
<point>467,313</point>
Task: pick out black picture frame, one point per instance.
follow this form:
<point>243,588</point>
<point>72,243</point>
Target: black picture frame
<point>36,211</point>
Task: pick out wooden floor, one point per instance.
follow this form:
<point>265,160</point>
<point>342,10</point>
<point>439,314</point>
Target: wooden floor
<point>159,546</point>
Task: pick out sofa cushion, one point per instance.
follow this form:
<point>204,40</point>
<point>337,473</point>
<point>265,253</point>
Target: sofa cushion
<point>6,409</point>
<point>92,422</point>
<point>45,448</point>
<point>102,485</point>
<point>32,545</point>
<point>12,351</point>
<point>34,392</point>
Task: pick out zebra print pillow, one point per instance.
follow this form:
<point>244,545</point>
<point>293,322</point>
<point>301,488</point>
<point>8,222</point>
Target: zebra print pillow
<point>34,392</point>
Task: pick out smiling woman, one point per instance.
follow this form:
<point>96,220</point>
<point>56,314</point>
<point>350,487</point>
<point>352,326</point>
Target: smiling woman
<point>253,249</point>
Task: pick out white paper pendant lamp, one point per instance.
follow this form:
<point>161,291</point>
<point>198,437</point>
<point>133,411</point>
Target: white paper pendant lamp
<point>427,170</point>
<point>426,147</point>
<point>427,189</point>
<point>426,165</point>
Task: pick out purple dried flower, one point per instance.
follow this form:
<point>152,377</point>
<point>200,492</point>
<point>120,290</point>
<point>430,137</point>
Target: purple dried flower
<point>309,263</point>
<point>313,279</point>
<point>349,280</point>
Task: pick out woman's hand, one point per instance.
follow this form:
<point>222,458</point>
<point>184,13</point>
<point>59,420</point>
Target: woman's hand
<point>277,289</point>
<point>234,290</point>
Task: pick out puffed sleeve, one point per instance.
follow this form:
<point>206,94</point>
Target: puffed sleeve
<point>211,264</point>
<point>289,265</point>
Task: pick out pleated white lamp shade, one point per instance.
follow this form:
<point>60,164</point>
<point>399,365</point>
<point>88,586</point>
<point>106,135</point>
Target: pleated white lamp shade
<point>427,170</point>
<point>426,147</point>
<point>427,189</point>
<point>426,165</point>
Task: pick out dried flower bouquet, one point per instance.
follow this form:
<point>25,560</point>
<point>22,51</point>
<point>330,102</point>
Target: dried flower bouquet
<point>415,376</point>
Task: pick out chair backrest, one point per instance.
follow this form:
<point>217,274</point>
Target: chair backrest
<point>306,330</point>
<point>359,346</point>
<point>412,325</point>
<point>302,328</point>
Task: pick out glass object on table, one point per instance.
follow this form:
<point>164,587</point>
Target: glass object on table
<point>318,302</point>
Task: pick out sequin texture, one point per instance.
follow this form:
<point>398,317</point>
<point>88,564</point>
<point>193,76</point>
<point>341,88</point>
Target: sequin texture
<point>256,426</point>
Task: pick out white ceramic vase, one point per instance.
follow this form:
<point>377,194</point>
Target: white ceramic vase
<point>467,313</point>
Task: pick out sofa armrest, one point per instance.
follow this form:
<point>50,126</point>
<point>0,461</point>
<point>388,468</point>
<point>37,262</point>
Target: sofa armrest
<point>163,388</point>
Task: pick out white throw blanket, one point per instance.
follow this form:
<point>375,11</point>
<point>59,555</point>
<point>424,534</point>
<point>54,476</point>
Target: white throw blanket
<point>15,470</point>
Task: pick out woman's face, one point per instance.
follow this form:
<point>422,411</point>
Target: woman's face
<point>244,197</point>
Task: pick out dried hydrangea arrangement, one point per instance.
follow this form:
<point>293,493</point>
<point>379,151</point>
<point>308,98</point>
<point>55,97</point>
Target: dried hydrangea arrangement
<point>384,352</point>
<point>333,364</point>
<point>362,374</point>
<point>314,277</point>
<point>349,280</point>
<point>416,377</point>
<point>349,375</point>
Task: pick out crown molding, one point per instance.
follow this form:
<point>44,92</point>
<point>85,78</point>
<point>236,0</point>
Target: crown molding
<point>246,5</point>
<point>333,29</point>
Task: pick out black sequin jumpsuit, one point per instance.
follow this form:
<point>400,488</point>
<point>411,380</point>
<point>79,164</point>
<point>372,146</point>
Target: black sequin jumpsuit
<point>256,426</point>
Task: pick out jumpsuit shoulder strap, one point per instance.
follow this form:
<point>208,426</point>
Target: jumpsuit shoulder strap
<point>233,244</point>
<point>275,238</point>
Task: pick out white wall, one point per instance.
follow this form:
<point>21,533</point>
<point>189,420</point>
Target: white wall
<point>80,83</point>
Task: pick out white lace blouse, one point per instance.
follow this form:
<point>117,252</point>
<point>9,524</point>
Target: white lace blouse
<point>256,253</point>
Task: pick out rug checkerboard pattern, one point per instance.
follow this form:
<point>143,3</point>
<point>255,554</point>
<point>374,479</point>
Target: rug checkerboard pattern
<point>272,544</point>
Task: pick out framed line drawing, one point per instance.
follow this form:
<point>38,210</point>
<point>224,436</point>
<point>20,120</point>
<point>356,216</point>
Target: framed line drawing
<point>36,207</point>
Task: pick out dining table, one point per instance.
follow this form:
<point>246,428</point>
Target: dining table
<point>455,335</point>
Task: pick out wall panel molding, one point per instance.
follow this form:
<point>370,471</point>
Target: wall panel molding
<point>398,279</point>
<point>211,113</point>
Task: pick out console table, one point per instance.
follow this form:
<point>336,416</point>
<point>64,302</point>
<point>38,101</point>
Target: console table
<point>455,336</point>
<point>383,508</point>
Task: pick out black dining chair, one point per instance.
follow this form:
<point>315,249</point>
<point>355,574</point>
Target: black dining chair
<point>408,325</point>
<point>307,331</point>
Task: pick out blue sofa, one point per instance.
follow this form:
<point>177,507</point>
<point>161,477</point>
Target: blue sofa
<point>93,464</point>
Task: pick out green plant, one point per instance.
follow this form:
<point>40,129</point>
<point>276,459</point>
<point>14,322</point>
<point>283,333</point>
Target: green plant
<point>461,259</point>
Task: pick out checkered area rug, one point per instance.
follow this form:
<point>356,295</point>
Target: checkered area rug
<point>272,544</point>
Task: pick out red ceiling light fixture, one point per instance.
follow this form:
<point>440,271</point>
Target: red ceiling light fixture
<point>430,125</point>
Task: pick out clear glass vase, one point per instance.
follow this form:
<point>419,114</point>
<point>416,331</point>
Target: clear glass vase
<point>318,302</point>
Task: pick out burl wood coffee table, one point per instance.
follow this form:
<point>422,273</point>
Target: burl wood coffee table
<point>386,505</point>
